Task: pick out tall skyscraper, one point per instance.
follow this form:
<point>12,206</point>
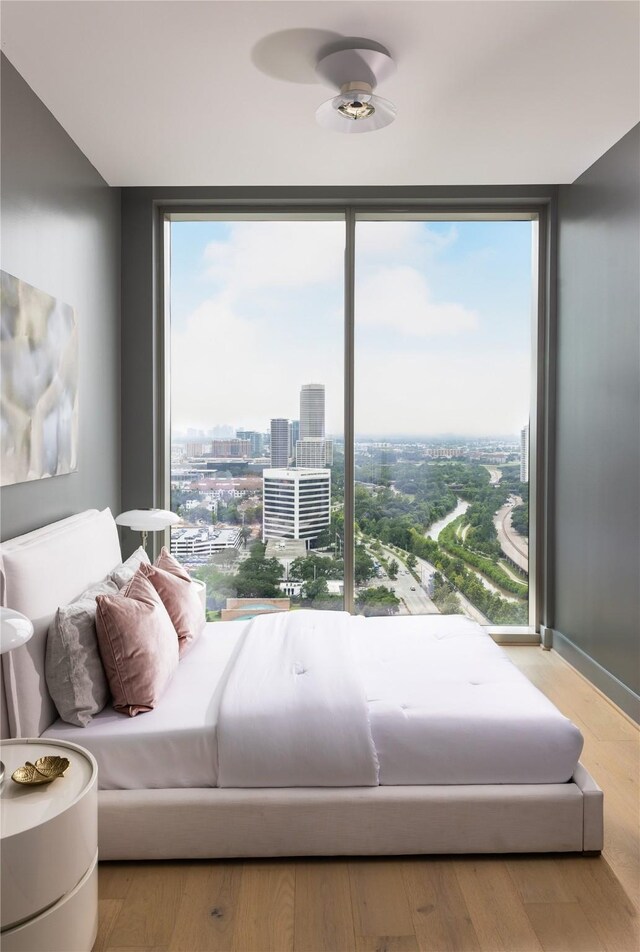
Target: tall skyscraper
<point>311,449</point>
<point>295,435</point>
<point>280,443</point>
<point>312,411</point>
<point>296,503</point>
<point>524,454</point>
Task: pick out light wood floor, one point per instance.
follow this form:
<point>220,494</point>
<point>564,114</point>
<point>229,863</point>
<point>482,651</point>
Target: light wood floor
<point>401,905</point>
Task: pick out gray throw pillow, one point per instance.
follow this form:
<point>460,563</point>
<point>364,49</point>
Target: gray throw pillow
<point>123,573</point>
<point>75,675</point>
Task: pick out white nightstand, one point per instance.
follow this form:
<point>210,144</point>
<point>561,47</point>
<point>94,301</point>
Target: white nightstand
<point>49,852</point>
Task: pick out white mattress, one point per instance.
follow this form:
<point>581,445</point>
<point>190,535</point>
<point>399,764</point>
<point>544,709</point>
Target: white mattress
<point>446,706</point>
<point>175,744</point>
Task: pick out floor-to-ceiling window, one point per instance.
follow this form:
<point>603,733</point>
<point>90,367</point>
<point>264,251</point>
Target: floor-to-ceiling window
<point>442,364</point>
<point>257,456</point>
<point>437,399</point>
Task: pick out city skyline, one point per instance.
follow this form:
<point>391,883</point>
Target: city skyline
<point>207,434</point>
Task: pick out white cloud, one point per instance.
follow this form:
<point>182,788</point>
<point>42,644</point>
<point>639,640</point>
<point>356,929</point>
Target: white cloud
<point>242,355</point>
<point>399,297</point>
<point>401,241</point>
<point>424,394</point>
<point>228,369</point>
<point>277,254</point>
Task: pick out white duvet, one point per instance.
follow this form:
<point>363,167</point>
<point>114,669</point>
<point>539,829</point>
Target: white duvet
<point>295,700</point>
<point>293,711</point>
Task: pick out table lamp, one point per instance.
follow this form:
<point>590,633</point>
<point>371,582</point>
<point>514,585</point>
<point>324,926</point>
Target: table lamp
<point>147,520</point>
<point>15,630</point>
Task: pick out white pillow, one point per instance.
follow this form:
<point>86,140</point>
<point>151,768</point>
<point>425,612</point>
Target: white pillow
<point>123,573</point>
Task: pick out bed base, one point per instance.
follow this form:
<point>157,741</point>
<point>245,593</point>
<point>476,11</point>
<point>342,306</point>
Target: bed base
<point>224,823</point>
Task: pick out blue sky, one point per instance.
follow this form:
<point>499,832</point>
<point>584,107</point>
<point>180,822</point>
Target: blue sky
<point>443,318</point>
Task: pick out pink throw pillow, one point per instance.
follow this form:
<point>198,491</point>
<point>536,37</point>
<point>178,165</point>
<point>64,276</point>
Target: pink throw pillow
<point>167,563</point>
<point>182,602</point>
<point>138,646</point>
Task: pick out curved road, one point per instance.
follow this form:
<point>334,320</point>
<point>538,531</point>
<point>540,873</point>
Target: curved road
<point>514,546</point>
<point>495,474</point>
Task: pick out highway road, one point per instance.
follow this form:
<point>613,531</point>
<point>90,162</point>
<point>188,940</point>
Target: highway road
<point>495,474</point>
<point>514,546</point>
<point>418,602</point>
<point>413,602</point>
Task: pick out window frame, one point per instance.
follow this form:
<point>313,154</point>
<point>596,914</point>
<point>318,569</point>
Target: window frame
<point>540,212</point>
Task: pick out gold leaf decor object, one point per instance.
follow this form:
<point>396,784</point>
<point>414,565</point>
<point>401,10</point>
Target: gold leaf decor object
<point>44,770</point>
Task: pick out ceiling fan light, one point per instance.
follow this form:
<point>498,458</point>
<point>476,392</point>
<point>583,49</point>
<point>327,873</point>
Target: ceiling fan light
<point>346,114</point>
<point>356,72</point>
<point>355,109</point>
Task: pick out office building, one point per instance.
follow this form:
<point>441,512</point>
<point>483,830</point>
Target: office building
<point>524,454</point>
<point>296,503</point>
<point>295,435</point>
<point>312,411</point>
<point>256,441</point>
<point>314,452</point>
<point>311,449</point>
<point>280,442</point>
<point>231,448</point>
<point>193,448</point>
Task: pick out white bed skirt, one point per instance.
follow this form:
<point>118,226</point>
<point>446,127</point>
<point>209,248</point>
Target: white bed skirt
<point>224,823</point>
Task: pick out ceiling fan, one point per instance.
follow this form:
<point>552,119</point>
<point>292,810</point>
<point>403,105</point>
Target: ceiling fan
<point>356,71</point>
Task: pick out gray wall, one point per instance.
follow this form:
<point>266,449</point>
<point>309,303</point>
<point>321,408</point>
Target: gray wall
<point>61,233</point>
<point>597,514</point>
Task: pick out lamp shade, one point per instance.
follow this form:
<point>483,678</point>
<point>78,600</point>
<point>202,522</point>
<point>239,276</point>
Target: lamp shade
<point>15,630</point>
<point>147,520</point>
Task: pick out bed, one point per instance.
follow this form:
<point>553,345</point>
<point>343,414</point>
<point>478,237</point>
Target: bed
<point>466,756</point>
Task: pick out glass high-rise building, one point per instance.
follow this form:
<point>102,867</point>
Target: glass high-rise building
<point>280,443</point>
<point>312,411</point>
<point>524,454</point>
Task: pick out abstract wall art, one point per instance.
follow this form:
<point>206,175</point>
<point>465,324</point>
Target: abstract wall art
<point>38,384</point>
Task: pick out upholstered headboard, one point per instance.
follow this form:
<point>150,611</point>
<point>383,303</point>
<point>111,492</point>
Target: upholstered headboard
<point>39,572</point>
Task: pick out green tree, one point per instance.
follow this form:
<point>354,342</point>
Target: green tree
<point>411,561</point>
<point>220,585</point>
<point>314,566</point>
<point>258,576</point>
<point>364,569</point>
<point>199,514</point>
<point>316,589</point>
<point>253,514</point>
<point>378,601</point>
<point>392,569</point>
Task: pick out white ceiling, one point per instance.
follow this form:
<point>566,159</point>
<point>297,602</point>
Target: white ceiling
<point>224,93</point>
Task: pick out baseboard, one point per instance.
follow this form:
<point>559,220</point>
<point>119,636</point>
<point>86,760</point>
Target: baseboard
<point>621,695</point>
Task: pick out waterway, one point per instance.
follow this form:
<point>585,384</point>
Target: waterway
<point>436,528</point>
